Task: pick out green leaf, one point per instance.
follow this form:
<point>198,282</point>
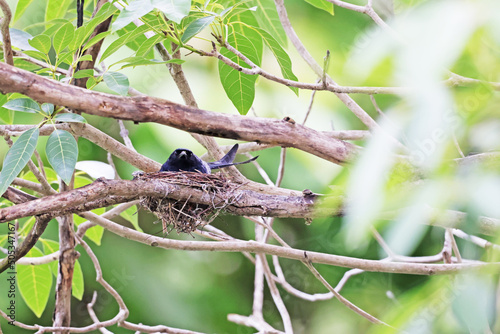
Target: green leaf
<point>77,284</point>
<point>65,57</point>
<point>17,157</point>
<point>49,247</point>
<point>268,19</point>
<point>173,10</point>
<point>195,27</point>
<point>94,233</point>
<point>96,39</point>
<point>78,38</point>
<point>56,25</point>
<point>48,108</point>
<point>34,283</point>
<point>122,40</point>
<point>86,57</point>
<point>134,10</point>
<point>22,5</point>
<point>281,57</point>
<point>20,39</point>
<point>56,9</point>
<point>131,215</point>
<point>104,13</point>
<point>239,87</point>
<point>148,44</point>
<point>6,115</point>
<point>88,73</point>
<point>117,82</point>
<point>36,54</point>
<point>70,118</point>
<point>41,43</point>
<point>24,104</point>
<point>63,37</point>
<point>62,153</point>
<point>322,4</point>
<point>145,62</point>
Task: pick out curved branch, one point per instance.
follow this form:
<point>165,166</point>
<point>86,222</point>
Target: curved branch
<point>149,109</point>
<point>7,47</point>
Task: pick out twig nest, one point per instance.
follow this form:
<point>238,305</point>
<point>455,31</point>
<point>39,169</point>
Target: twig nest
<point>183,215</point>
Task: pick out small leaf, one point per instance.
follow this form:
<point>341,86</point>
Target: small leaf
<point>22,5</point>
<point>173,10</point>
<point>134,10</point>
<point>96,39</point>
<point>322,4</point>
<point>94,233</point>
<point>34,283</point>
<point>36,54</point>
<point>86,57</point>
<point>84,74</point>
<point>78,38</point>
<point>195,27</point>
<point>122,40</point>
<point>65,57</point>
<point>70,118</point>
<point>148,44</point>
<point>63,37</point>
<point>41,43</point>
<point>77,284</point>
<point>62,153</point>
<point>5,115</point>
<point>131,215</point>
<point>23,104</point>
<point>117,82</point>
<point>48,108</point>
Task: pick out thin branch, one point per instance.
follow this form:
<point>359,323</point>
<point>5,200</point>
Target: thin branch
<point>251,321</point>
<point>124,135</point>
<point>93,316</point>
<point>475,240</point>
<point>7,47</point>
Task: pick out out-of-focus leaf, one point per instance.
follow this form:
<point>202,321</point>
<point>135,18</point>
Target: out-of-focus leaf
<point>173,10</point>
<point>96,39</point>
<point>77,285</point>
<point>131,215</point>
<point>56,9</point>
<point>195,27</point>
<point>322,4</point>
<point>134,10</point>
<point>268,19</point>
<point>148,44</point>
<point>96,169</point>
<point>21,7</point>
<point>34,283</point>
<point>6,115</point>
<point>122,40</point>
<point>20,39</point>
<point>17,157</point>
<point>70,118</point>
<point>48,108</point>
<point>84,73</point>
<point>117,82</point>
<point>62,153</point>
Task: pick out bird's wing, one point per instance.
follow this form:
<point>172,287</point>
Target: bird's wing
<point>216,164</point>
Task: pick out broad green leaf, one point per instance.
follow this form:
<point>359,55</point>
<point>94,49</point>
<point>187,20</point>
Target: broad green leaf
<point>84,74</point>
<point>281,57</point>
<point>173,10</point>
<point>117,82</point>
<point>56,9</point>
<point>62,153</point>
<point>63,37</point>
<point>78,38</point>
<point>48,108</point>
<point>71,118</point>
<point>77,284</point>
<point>122,40</point>
<point>36,54</point>
<point>34,283</point>
<point>239,87</point>
<point>17,157</point>
<point>245,29</point>
<point>148,44</point>
<point>268,19</point>
<point>195,27</point>
<point>20,39</point>
<point>41,43</point>
<point>6,115</point>
<point>96,39</point>
<point>21,8</point>
<point>131,215</point>
<point>23,104</point>
<point>134,10</point>
<point>322,4</point>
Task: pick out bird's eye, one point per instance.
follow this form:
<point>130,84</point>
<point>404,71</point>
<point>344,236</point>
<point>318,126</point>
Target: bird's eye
<point>188,153</point>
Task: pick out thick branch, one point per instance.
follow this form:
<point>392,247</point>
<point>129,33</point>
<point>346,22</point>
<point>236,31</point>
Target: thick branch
<point>149,109</point>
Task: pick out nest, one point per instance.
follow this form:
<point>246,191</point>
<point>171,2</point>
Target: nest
<point>185,216</point>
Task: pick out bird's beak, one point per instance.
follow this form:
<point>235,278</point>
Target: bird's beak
<point>182,155</point>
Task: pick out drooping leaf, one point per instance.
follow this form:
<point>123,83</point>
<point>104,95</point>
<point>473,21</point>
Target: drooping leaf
<point>239,87</point>
<point>63,37</point>
<point>281,57</point>
<point>268,19</point>
<point>132,12</point>
<point>34,283</point>
<point>322,4</point>
<point>62,153</point>
<point>56,9</point>
<point>17,157</point>
<point>77,284</point>
<point>41,43</point>
<point>71,118</point>
<point>173,10</point>
<point>24,104</point>
<point>195,27</point>
<point>117,82</point>
<point>21,7</point>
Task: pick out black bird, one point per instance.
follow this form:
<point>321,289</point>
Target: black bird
<point>184,160</point>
